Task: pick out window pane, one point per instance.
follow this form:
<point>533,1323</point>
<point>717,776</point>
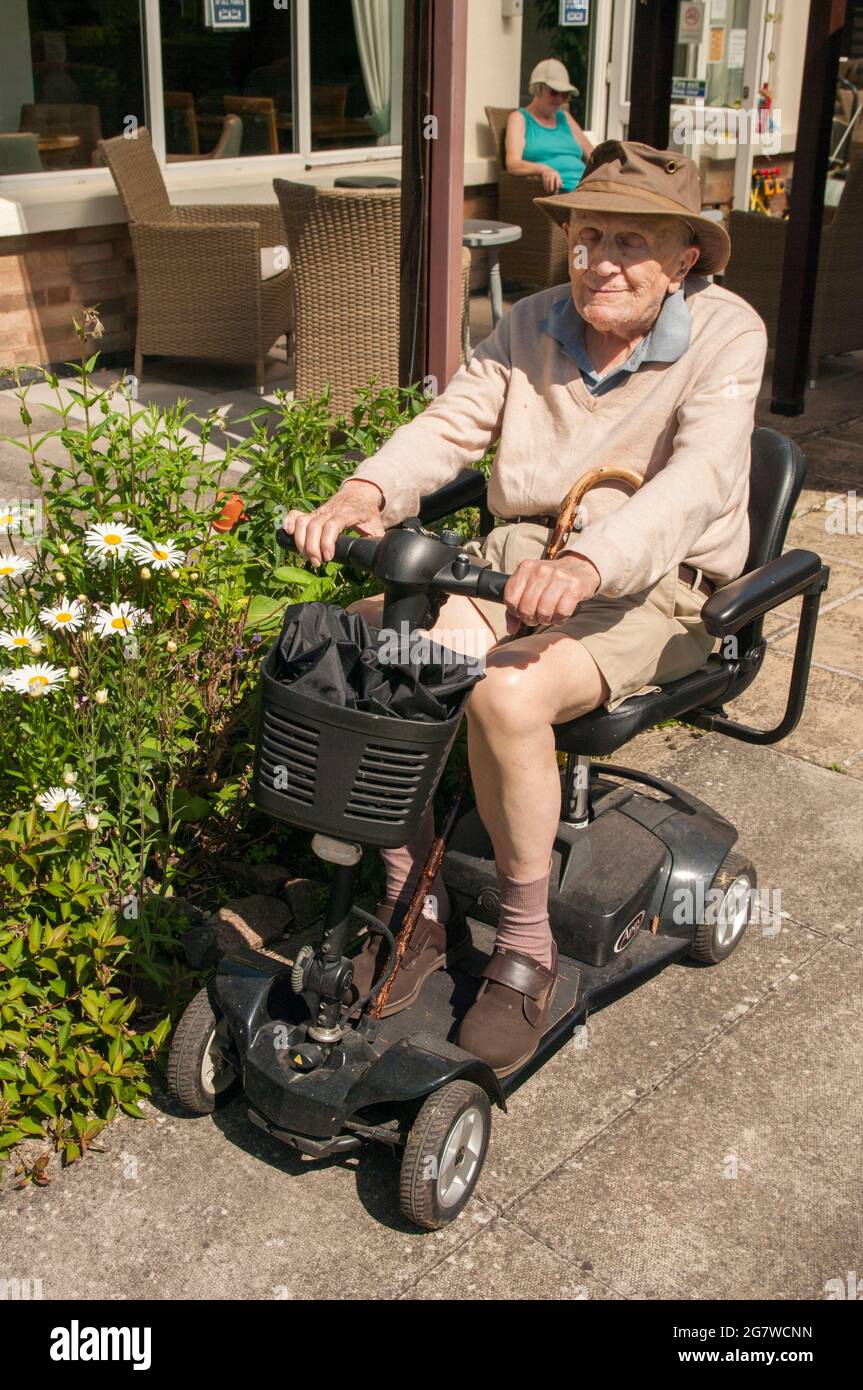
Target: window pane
<point>726,40</point>
<point>213,73</point>
<point>70,74</point>
<point>356,52</point>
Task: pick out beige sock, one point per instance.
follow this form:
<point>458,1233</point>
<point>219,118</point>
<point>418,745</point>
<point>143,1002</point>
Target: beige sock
<point>404,866</point>
<point>523,921</point>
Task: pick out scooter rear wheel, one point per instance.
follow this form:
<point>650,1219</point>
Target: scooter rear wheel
<point>444,1154</point>
<point>729,910</point>
<point>199,1075</point>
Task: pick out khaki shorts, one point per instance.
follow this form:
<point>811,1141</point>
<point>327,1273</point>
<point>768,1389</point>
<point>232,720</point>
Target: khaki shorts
<point>638,642</point>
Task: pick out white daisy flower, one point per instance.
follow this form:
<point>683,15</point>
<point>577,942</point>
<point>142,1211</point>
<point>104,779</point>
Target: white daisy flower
<point>36,679</point>
<point>13,565</point>
<point>10,519</point>
<point>19,637</point>
<point>66,615</point>
<point>160,555</point>
<point>119,619</point>
<point>6,679</point>
<point>55,797</point>
<point>111,540</point>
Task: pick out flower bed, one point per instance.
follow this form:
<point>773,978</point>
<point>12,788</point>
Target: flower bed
<point>132,617</point>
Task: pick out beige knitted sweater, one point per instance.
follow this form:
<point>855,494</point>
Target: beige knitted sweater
<point>684,425</point>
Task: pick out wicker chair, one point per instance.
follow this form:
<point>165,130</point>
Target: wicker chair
<point>202,288</point>
<point>755,271</point>
<point>344,246</point>
<point>540,257</point>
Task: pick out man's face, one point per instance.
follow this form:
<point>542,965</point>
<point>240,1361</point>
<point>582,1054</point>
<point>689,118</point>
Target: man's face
<point>621,267</point>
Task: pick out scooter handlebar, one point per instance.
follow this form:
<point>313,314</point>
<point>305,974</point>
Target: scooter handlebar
<point>471,580</point>
<point>359,550</point>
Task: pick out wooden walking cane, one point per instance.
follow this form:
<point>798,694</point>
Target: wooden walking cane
<point>424,883</point>
<point>569,509</point>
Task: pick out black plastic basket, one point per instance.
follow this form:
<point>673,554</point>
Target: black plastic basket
<point>345,772</point>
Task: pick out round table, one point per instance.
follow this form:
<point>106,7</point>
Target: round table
<point>53,144</point>
<point>489,234</point>
<point>367,181</point>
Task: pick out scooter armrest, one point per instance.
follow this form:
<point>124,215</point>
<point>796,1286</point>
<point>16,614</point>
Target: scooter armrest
<point>753,594</point>
<point>467,490</point>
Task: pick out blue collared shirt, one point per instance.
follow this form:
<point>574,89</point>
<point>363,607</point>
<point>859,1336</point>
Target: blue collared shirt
<point>667,340</point>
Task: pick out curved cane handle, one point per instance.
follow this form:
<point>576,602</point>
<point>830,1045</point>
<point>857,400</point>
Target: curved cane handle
<point>573,499</point>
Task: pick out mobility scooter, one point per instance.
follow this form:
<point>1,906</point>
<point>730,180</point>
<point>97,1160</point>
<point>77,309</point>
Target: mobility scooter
<point>326,1077</point>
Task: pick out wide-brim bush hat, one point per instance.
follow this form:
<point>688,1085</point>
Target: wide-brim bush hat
<point>624,176</point>
<point>552,73</point>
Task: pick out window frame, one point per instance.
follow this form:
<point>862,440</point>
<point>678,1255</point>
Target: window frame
<point>204,173</point>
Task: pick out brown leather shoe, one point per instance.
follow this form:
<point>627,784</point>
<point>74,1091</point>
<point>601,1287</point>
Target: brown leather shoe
<point>505,1024</point>
<point>432,945</point>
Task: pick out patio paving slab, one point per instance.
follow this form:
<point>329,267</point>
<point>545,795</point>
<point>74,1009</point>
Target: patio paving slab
<point>180,1208</point>
<point>741,1178</point>
<point>504,1262</point>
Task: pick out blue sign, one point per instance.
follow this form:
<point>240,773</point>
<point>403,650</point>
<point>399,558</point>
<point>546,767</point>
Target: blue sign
<point>229,14</point>
<point>574,12</point>
<point>686,88</point>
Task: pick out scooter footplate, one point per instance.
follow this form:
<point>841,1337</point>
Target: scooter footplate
<point>447,995</point>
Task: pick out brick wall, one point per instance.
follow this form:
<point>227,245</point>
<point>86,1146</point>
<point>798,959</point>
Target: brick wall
<point>48,278</point>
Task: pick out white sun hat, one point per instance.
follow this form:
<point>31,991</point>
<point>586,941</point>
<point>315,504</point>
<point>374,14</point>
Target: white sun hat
<point>552,73</point>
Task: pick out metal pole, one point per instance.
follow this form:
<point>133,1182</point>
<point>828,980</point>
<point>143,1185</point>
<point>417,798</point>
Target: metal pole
<point>446,202</point>
<point>653,42</point>
<point>803,242</point>
<point>416,169</point>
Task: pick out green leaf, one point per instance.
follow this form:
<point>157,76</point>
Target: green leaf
<point>265,612</point>
<point>289,574</point>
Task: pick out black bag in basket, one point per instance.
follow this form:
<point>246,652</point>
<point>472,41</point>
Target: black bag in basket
<point>335,656</point>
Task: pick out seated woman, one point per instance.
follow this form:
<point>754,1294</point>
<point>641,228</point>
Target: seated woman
<point>638,361</point>
<point>542,137</point>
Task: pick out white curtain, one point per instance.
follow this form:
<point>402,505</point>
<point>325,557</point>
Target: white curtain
<point>372,21</point>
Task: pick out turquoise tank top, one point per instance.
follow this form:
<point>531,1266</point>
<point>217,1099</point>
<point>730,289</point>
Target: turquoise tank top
<point>557,148</point>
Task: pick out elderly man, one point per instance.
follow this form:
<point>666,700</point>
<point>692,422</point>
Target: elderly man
<point>641,362</point>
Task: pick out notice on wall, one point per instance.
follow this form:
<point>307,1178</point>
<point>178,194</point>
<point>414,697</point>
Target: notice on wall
<point>227,14</point>
<point>717,11</point>
<point>574,13</point>
<point>688,88</point>
<point>736,48</point>
<point>690,23</point>
<point>716,46</point>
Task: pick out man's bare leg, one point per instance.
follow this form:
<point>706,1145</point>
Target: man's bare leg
<point>530,685</point>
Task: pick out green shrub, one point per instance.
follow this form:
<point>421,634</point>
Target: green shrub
<point>132,632</point>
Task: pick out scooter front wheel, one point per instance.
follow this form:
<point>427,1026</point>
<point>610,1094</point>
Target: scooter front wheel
<point>444,1154</point>
<point>199,1075</point>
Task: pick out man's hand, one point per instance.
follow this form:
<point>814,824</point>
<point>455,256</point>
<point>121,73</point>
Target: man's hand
<point>354,507</point>
<point>548,591</point>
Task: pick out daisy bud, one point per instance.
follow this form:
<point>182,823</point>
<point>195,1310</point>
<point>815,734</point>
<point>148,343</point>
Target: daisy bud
<point>74,672</point>
<point>63,548</point>
<point>60,578</point>
<point>91,821</point>
<point>194,575</point>
<point>146,574</point>
<point>175,574</point>
<point>82,598</point>
<point>171,645</point>
<point>70,778</point>
<point>101,697</point>
<point>36,646</point>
